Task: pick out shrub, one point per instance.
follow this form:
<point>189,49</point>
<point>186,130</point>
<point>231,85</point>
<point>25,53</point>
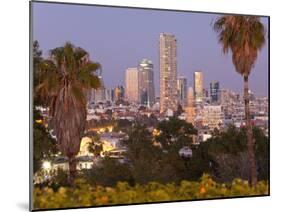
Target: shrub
<point>85,195</point>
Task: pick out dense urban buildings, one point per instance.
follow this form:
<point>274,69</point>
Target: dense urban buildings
<point>212,117</point>
<point>168,72</point>
<point>146,83</point>
<point>198,86</point>
<point>182,90</point>
<point>131,85</point>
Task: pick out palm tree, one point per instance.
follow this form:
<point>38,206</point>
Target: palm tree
<point>244,36</point>
<point>66,78</point>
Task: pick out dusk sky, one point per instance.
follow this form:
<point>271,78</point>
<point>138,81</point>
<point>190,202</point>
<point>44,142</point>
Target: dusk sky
<point>119,38</point>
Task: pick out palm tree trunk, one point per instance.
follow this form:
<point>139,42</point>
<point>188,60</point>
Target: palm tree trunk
<point>72,170</point>
<point>249,134</point>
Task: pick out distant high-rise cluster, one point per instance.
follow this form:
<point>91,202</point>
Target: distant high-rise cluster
<point>168,72</point>
<point>198,86</point>
<point>146,83</point>
<point>131,85</point>
<point>206,108</point>
<point>182,90</point>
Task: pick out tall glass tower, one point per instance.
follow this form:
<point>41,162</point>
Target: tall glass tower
<point>182,90</point>
<point>146,82</point>
<point>214,91</point>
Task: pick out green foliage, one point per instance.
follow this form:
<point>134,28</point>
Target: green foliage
<point>44,146</point>
<point>225,155</point>
<point>122,125</point>
<point>151,162</point>
<point>84,194</point>
<point>59,178</point>
<point>95,146</point>
<point>37,58</point>
<point>175,133</point>
<point>108,173</point>
<point>143,156</point>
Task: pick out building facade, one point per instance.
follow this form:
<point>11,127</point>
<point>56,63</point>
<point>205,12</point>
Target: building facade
<point>213,116</point>
<point>146,83</point>
<point>198,86</point>
<point>118,93</point>
<point>168,72</point>
<point>190,109</point>
<point>182,90</point>
<point>214,91</point>
<point>131,85</point>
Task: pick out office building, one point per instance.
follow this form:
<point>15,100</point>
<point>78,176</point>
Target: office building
<point>198,86</point>
<point>131,85</point>
<point>214,91</point>
<point>182,90</point>
<point>146,83</point>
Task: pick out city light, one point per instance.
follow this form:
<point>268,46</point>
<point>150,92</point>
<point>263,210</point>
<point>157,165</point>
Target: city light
<point>39,121</point>
<point>46,165</point>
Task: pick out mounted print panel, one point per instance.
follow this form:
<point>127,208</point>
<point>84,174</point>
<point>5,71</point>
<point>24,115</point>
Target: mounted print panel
<point>137,105</point>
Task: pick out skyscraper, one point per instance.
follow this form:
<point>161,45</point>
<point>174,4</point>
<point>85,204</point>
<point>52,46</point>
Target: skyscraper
<point>118,93</point>
<point>182,90</point>
<point>97,95</point>
<point>214,91</point>
<point>168,72</point>
<point>190,97</point>
<point>146,82</point>
<point>198,86</point>
<point>131,85</point>
<point>190,109</point>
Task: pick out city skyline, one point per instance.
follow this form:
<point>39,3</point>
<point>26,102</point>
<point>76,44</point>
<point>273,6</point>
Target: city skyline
<point>138,100</point>
<point>138,38</point>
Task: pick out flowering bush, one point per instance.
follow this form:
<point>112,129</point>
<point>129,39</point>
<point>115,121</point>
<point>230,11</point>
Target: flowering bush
<point>85,195</point>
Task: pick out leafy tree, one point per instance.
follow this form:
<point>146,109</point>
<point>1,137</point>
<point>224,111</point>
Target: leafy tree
<point>224,155</point>
<point>108,173</point>
<point>244,36</point>
<point>95,146</point>
<point>109,113</point>
<point>122,125</point>
<point>37,59</point>
<point>66,78</point>
<point>179,110</point>
<point>175,133</point>
<point>44,146</point>
<point>142,154</point>
<point>150,162</point>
